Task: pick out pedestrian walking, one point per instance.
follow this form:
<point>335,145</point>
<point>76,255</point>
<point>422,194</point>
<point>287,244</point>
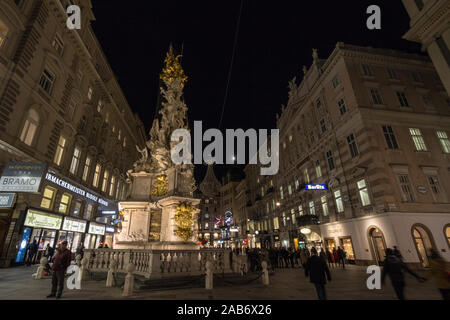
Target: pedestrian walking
<point>440,274</point>
<point>291,257</point>
<point>323,255</point>
<point>32,251</point>
<point>340,254</point>
<point>329,257</point>
<point>303,257</point>
<point>316,268</point>
<point>394,267</point>
<point>335,257</point>
<point>60,264</point>
<point>397,253</point>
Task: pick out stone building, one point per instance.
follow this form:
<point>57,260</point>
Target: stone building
<point>61,105</point>
<point>373,126</point>
<point>430,26</point>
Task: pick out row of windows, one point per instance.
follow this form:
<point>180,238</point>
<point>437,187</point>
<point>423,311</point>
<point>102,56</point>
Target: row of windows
<point>391,73</point>
<point>417,138</point>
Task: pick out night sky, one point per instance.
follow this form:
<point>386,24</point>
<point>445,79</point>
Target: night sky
<point>275,40</point>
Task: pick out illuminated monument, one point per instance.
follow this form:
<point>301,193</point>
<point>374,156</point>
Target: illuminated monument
<point>160,211</point>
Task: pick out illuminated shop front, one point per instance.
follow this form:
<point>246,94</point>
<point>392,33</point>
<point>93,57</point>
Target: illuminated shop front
<point>109,236</point>
<point>73,231</point>
<point>95,235</point>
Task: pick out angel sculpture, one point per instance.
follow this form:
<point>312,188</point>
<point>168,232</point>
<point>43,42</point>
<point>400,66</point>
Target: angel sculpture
<point>144,155</point>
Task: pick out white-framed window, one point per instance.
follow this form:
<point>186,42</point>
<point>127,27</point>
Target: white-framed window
<point>75,161</point>
<point>293,217</point>
<point>318,169</point>
<point>300,210</point>
<point>433,181</point>
<point>30,127</point>
<point>47,80</point>
<point>312,208</point>
<point>367,70</point>
<point>402,98</point>
<point>59,151</point>
<point>96,179</point>
<point>324,205</point>
<point>87,168</point>
<point>89,94</point>
<point>281,193</point>
<point>276,224</point>
<point>392,74</point>
<point>289,189</point>
<point>389,136</point>
<point>105,180</point>
<point>339,202</point>
<point>363,192</point>
<point>58,44</point>
<point>376,97</point>
<point>3,33</point>
<point>48,197</point>
<point>406,188</point>
<point>352,145</point>
<point>418,140</point>
<point>443,139</point>
<point>88,212</point>
<point>64,204</point>
<point>306,174</point>
<point>342,106</point>
<point>77,208</point>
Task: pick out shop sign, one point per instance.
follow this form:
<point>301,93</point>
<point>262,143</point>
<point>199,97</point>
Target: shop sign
<point>38,219</point>
<point>110,230</point>
<point>74,225</point>
<point>7,200</point>
<point>334,230</point>
<point>422,189</point>
<point>66,185</point>
<point>109,213</point>
<point>316,187</point>
<point>22,177</point>
<point>95,228</point>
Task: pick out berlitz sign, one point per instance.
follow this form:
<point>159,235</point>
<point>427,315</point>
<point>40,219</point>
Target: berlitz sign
<point>22,177</point>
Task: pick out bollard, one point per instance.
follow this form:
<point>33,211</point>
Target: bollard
<point>209,276</point>
<point>265,276</point>
<point>111,272</point>
<point>83,271</point>
<point>129,281</point>
<point>41,270</point>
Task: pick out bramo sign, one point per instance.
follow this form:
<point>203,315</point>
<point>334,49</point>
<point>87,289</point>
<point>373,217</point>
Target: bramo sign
<point>22,177</point>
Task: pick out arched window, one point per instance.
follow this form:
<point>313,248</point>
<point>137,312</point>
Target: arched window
<point>30,127</point>
<point>447,233</point>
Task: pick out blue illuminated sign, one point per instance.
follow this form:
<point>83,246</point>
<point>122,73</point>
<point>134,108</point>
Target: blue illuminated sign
<point>23,245</point>
<point>316,187</point>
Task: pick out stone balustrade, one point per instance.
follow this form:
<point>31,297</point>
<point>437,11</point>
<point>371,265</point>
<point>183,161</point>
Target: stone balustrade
<point>156,264</point>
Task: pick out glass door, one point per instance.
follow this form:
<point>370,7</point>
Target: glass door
<point>346,245</point>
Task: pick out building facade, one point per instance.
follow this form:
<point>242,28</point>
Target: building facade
<point>367,131</point>
<point>61,105</point>
<point>430,26</point>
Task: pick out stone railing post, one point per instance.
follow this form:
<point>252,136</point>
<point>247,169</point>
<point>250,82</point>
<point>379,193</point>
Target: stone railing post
<point>226,261</point>
<point>111,272</point>
<point>195,263</point>
<point>209,276</point>
<point>84,268</point>
<point>265,276</point>
<point>41,270</point>
<point>78,261</point>
<point>126,259</point>
<point>129,281</point>
<point>154,265</point>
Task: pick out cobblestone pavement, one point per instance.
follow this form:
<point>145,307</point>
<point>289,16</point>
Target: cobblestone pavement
<point>286,284</point>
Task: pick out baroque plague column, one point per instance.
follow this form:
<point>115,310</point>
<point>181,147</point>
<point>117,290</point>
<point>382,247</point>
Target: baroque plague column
<point>160,210</point>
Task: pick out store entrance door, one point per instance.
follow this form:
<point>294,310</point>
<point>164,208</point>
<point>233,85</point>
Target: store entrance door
<point>347,246</point>
<point>378,245</point>
<point>423,243</point>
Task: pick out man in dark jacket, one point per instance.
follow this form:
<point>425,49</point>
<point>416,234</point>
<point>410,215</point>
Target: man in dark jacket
<point>340,253</point>
<point>316,268</point>
<point>32,250</point>
<point>60,264</point>
<point>394,267</point>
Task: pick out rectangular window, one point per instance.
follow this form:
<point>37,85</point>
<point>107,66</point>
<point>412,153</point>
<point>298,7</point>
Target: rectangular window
<point>363,193</point>
<point>416,77</point>
<point>324,205</point>
<point>300,210</point>
<point>88,213</point>
<point>342,107</point>
<point>87,168</point>
<point>390,137</point>
<point>281,193</point>
<point>434,184</point>
<point>90,93</point>
<point>392,74</point>
<point>297,184</point>
<point>105,180</point>
<point>289,189</point>
<point>71,109</point>
<point>339,202</point>
<point>206,226</point>
<point>335,82</point>
<point>100,106</point>
<point>65,203</point>
<point>30,128</point>
<point>75,161</point>
<point>405,187</point>
<point>402,99</point>
<point>306,174</point>
<point>124,142</point>
<point>112,186</point>
<point>330,160</point>
<point>284,219</point>
<point>318,169</point>
<point>79,76</point>
<point>59,151</point>
<point>418,140</point>
<point>323,125</point>
<point>443,139</point>
<point>293,217</point>
<point>58,44</point>
<point>318,103</point>
<point>376,97</point>
<point>96,180</point>
<point>367,70</point>
<point>426,101</point>
<point>312,209</point>
<point>46,81</point>
<point>352,145</point>
<point>77,209</point>
<point>276,224</point>
<point>3,32</point>
<point>48,197</point>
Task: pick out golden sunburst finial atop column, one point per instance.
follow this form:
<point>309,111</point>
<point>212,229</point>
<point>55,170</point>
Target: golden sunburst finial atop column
<point>172,69</point>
